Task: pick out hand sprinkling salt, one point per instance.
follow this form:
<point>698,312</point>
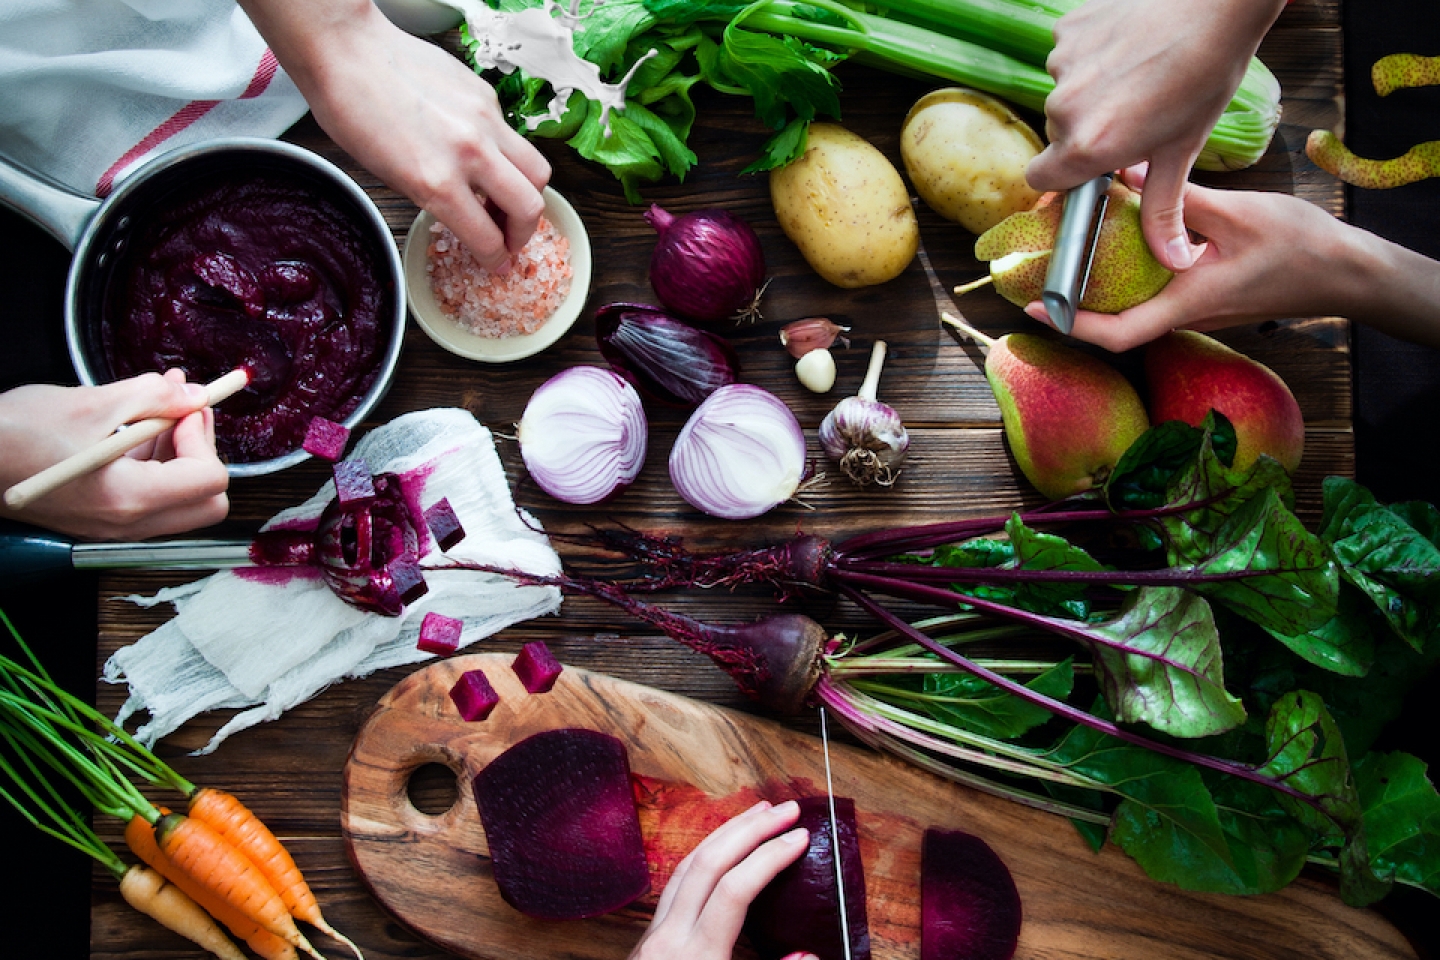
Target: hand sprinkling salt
<point>542,43</point>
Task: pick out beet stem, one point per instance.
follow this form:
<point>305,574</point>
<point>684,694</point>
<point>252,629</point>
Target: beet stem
<point>1169,577</point>
<point>1065,710</point>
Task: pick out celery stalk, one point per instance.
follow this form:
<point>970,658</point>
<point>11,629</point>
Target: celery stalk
<point>1014,37</point>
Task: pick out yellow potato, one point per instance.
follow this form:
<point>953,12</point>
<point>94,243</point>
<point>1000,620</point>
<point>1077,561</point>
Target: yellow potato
<point>846,207</point>
<point>966,153</point>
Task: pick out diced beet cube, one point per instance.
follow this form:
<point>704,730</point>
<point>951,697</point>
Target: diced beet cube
<point>537,667</point>
<point>326,439</point>
<point>561,823</point>
<point>440,634</point>
<point>473,695</point>
<point>408,579</point>
<point>969,906</point>
<point>444,525</point>
<point>353,483</point>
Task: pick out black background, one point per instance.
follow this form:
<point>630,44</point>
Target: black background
<point>1397,425</point>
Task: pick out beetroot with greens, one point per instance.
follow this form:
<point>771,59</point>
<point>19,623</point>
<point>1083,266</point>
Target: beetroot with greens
<point>440,634</point>
<point>799,911</point>
<point>537,667</point>
<point>664,358</point>
<point>562,826</point>
<point>969,906</point>
<point>473,695</point>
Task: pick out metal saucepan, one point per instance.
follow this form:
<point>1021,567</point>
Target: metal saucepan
<point>97,232</point>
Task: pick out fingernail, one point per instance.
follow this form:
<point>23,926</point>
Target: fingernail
<point>787,807</point>
<point>505,266</point>
<point>795,837</point>
<point>195,393</point>
<point>762,805</point>
<point>1180,253</point>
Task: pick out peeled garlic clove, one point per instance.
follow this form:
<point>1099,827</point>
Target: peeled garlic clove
<point>816,370</point>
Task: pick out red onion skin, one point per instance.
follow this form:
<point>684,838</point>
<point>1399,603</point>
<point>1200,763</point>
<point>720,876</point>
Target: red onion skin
<point>705,361</point>
<point>707,265</point>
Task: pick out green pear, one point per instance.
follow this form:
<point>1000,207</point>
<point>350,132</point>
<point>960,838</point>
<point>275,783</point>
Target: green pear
<point>1188,374</point>
<point>1068,416</point>
<point>1124,271</point>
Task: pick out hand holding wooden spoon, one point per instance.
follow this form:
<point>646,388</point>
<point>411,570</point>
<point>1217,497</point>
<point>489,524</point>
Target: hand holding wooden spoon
<point>170,481</point>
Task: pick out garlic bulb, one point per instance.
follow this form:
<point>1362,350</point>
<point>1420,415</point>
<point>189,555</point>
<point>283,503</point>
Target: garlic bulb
<point>864,435</point>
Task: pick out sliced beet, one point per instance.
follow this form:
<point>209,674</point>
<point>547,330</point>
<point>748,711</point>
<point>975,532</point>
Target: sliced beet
<point>353,483</point>
<point>444,525</point>
<point>969,906</point>
<point>799,911</point>
<point>560,818</point>
<point>537,667</point>
<point>473,695</point>
<point>440,634</point>
<point>326,439</point>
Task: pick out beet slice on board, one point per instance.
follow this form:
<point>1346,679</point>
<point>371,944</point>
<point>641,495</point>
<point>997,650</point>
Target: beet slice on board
<point>969,906</point>
<point>800,909</point>
<point>560,819</point>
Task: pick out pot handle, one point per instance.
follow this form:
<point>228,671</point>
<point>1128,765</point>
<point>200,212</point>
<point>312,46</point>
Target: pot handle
<point>56,210</point>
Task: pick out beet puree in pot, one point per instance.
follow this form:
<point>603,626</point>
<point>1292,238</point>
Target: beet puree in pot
<point>260,272</point>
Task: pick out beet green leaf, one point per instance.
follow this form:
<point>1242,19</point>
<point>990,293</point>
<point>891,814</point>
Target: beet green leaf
<point>1159,663</point>
<point>1295,584</point>
<point>1402,818</point>
<point>1395,564</point>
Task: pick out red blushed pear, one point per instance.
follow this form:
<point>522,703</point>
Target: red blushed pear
<point>1068,416</point>
<point>1189,374</point>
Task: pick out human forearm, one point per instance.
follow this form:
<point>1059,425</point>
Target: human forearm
<point>413,115</point>
<point>1393,289</point>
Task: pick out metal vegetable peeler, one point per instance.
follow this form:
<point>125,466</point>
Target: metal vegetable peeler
<point>1074,250</point>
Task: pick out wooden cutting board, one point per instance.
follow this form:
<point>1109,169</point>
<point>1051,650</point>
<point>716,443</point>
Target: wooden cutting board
<point>698,764</point>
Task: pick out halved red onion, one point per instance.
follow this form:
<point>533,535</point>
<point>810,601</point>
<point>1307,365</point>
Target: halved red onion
<point>741,453</point>
<point>583,435</point>
<point>665,358</point>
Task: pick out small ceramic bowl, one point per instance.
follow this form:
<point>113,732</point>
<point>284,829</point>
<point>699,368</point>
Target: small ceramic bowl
<point>450,335</point>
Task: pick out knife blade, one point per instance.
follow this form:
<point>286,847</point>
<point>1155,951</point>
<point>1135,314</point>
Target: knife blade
<point>1074,250</point>
<point>834,834</point>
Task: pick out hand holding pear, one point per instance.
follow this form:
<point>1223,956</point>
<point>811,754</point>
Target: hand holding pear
<point>1124,272</point>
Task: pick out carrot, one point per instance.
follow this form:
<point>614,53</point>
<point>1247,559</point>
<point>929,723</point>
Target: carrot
<point>233,821</point>
<point>199,852</point>
<point>149,892</point>
<point>140,838</point>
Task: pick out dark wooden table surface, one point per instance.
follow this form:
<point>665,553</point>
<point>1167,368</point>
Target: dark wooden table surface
<point>288,770</point>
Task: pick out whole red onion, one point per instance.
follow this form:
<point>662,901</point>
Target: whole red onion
<point>707,265</point>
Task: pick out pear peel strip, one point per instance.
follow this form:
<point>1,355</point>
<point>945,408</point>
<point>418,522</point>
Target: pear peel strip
<point>984,341</point>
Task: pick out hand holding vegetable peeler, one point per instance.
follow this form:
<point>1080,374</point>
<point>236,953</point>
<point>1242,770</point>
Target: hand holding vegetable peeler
<point>1074,250</point>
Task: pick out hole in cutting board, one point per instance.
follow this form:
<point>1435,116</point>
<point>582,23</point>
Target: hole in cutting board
<point>432,789</point>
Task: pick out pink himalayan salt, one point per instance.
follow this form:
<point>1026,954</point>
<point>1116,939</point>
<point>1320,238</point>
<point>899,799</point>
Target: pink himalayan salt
<point>500,305</point>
